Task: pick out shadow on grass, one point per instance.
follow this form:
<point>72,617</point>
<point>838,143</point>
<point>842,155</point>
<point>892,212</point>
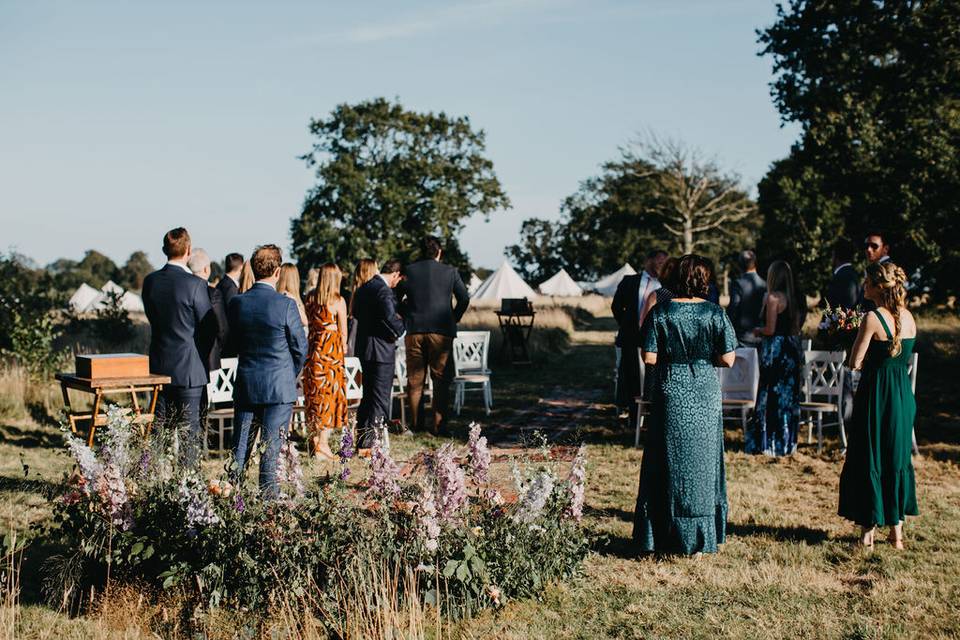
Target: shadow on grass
<point>608,512</point>
<point>786,534</point>
<point>28,485</point>
<point>31,438</point>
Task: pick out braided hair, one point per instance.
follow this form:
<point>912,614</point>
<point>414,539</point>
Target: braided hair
<point>890,282</point>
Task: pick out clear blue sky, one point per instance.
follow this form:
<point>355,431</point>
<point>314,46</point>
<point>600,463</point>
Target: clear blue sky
<point>119,120</point>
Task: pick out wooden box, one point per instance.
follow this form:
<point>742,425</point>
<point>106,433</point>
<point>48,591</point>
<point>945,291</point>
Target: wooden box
<point>112,365</point>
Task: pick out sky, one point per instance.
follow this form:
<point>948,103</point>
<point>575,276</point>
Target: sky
<point>120,120</point>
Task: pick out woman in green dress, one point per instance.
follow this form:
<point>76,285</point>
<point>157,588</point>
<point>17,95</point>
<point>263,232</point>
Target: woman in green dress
<point>877,485</point>
<point>682,501</point>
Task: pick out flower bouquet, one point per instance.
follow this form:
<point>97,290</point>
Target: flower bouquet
<point>838,326</point>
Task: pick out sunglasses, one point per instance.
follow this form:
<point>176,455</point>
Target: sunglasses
<point>871,245</point>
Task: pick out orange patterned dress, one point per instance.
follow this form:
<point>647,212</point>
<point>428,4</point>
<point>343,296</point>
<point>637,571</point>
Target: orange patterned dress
<point>324,379</point>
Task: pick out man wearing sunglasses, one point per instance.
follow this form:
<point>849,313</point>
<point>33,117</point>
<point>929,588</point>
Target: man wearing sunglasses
<point>876,248</point>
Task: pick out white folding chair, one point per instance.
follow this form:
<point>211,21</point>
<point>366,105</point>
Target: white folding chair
<point>470,351</point>
<point>354,374</point>
<point>823,391</point>
<point>399,390</point>
<point>912,370</point>
<point>739,384</point>
<point>220,393</point>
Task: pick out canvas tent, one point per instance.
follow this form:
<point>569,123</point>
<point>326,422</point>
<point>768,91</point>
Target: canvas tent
<point>131,302</point>
<point>474,283</point>
<point>607,285</point>
<point>83,297</point>
<point>560,284</point>
<point>504,283</point>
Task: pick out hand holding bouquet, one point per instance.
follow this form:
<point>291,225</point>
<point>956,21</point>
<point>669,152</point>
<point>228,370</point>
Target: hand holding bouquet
<point>838,319</point>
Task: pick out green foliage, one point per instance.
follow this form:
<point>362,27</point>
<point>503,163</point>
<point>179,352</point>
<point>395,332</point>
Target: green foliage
<point>137,267</point>
<point>385,178</point>
<point>874,86</point>
<point>657,195</point>
<point>28,325</point>
<point>113,323</point>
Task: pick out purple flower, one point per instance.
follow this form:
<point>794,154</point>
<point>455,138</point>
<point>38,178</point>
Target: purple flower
<point>384,472</point>
<point>479,455</point>
<point>195,499</point>
<point>239,504</point>
<point>346,445</point>
<point>86,459</point>
<point>576,484</point>
<point>113,494</point>
<point>428,526</point>
<point>451,483</point>
<point>289,471</point>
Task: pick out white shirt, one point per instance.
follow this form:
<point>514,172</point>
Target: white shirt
<point>837,270</point>
<point>647,284</point>
<point>883,259</point>
<point>182,266</point>
<point>235,281</point>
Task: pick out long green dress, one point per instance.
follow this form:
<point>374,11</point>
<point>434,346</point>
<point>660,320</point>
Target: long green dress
<point>877,485</point>
<point>682,501</point>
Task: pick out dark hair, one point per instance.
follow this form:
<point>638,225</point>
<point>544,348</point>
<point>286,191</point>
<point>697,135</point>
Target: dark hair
<point>430,247</point>
<point>391,266</point>
<point>844,250</point>
<point>780,280</point>
<point>879,233</point>
<point>693,276</point>
<point>176,243</point>
<point>266,259</point>
<point>655,253</point>
<point>747,259</point>
<point>669,274</point>
<point>232,262</point>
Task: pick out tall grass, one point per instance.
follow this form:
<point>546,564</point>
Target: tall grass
<point>10,588</point>
<point>23,397</point>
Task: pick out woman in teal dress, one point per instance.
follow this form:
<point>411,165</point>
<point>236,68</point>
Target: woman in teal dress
<point>877,486</point>
<point>682,501</point>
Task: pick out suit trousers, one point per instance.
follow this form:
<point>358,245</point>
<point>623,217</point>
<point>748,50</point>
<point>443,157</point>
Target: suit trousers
<point>178,407</point>
<point>375,403</point>
<point>429,353</point>
<point>272,421</point>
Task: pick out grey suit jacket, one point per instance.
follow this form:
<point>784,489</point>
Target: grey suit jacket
<point>746,301</point>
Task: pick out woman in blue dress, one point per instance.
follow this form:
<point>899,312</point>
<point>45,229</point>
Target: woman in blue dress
<point>682,501</point>
<point>776,417</point>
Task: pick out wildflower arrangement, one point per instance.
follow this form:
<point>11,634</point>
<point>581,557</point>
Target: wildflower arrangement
<point>132,511</point>
<point>838,325</point>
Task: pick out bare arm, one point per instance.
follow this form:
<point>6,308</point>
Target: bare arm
<point>648,305</point>
<point>859,351</point>
<point>772,306</point>
<point>727,359</point>
<point>650,357</point>
<point>342,322</point>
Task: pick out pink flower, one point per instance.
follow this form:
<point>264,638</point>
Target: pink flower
<point>479,455</point>
<point>451,483</point>
<point>384,472</point>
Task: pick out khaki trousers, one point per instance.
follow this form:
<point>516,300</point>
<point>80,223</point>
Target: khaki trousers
<point>433,352</point>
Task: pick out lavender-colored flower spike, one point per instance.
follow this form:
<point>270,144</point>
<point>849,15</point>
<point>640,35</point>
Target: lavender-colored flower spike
<point>384,472</point>
<point>451,483</point>
<point>428,526</point>
<point>479,455</point>
<point>576,484</point>
<point>86,459</point>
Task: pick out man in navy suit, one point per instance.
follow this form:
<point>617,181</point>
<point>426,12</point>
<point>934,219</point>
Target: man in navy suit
<point>378,328</point>
<point>746,300</point>
<point>266,330</point>
<point>181,319</point>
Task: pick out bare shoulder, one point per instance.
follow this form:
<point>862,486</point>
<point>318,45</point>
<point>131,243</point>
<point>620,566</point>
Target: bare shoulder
<point>908,324</point>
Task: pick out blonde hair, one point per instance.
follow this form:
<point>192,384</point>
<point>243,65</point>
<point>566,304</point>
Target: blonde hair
<point>246,277</point>
<point>891,284</point>
<point>366,270</point>
<point>328,285</point>
<point>313,276</point>
<point>780,280</point>
<point>289,282</point>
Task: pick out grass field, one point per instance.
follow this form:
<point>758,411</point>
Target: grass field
<point>788,570</point>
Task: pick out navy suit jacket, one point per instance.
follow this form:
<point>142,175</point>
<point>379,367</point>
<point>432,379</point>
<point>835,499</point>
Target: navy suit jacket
<point>426,298</point>
<point>268,336</point>
<point>844,288</point>
<point>746,303</point>
<point>181,319</point>
<point>378,323</point>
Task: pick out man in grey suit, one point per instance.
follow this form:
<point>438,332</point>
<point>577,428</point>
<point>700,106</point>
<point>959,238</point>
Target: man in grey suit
<point>181,320</point>
<point>266,330</point>
<point>746,300</point>
<point>431,321</point>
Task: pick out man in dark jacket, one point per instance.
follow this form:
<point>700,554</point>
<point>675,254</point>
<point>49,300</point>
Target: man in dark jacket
<point>210,345</point>
<point>378,328</point>
<point>178,308</point>
<point>627,307</point>
<point>844,287</point>
<point>229,287</point>
<point>266,330</point>
<point>746,300</point>
<point>431,322</point>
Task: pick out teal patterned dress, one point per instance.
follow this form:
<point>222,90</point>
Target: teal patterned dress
<point>682,501</point>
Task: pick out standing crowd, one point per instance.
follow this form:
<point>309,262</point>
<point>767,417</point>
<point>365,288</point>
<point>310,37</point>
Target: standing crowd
<point>256,314</point>
<point>673,334</point>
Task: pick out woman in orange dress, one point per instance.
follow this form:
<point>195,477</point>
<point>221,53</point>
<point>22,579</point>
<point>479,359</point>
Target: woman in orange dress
<point>324,380</point>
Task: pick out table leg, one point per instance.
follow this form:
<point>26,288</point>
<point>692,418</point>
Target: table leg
<point>66,404</point>
<point>93,416</point>
<point>153,408</point>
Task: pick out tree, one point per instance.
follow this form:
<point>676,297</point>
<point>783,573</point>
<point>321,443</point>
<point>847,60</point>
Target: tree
<point>95,269</point>
<point>875,87</point>
<point>134,271</point>
<point>657,195</point>
<point>385,178</point>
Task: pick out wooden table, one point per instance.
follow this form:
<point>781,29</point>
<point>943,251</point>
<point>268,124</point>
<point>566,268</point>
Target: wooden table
<point>101,387</point>
<point>516,328</point>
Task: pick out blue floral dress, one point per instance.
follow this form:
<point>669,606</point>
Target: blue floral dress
<point>776,417</point>
<point>682,501</point>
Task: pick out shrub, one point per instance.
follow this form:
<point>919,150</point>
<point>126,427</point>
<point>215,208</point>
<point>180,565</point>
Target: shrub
<point>131,513</point>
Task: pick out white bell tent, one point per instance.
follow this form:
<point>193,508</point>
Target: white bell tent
<point>607,285</point>
<point>83,297</point>
<point>504,283</point>
<point>474,283</point>
<point>560,284</point>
